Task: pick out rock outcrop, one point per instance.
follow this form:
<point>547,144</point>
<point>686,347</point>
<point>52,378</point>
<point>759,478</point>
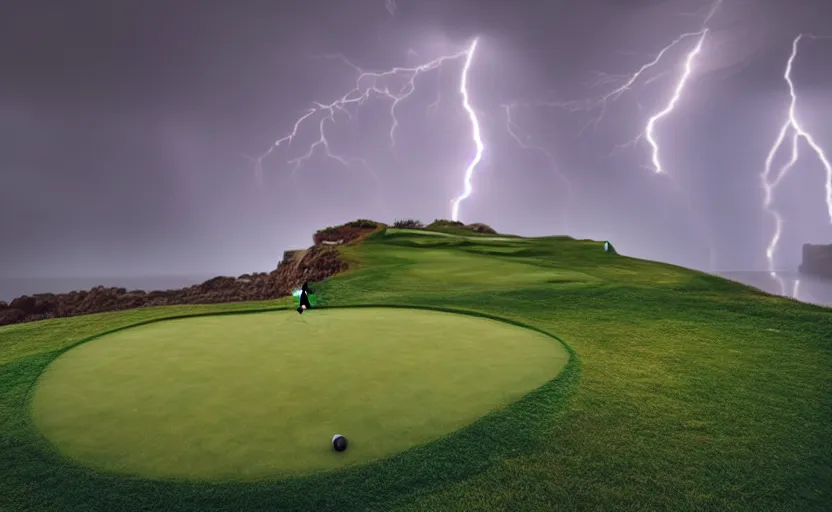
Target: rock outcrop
<point>817,260</point>
<point>314,264</point>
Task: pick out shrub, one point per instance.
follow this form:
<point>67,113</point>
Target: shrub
<point>408,224</point>
<point>479,227</point>
<point>345,232</point>
<point>362,224</point>
<point>446,222</point>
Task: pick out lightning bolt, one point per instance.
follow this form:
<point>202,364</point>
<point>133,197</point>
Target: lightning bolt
<point>395,85</point>
<point>649,131</point>
<point>600,103</point>
<point>603,101</point>
<point>512,128</point>
<point>435,105</point>
<point>390,5</point>
<point>475,133</point>
<point>791,125</point>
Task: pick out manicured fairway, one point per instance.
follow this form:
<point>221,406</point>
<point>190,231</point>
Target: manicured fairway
<point>260,395</point>
<point>425,232</point>
<point>682,392</point>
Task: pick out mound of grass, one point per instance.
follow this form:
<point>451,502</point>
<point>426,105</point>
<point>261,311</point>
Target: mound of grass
<point>458,228</point>
<point>346,233</point>
<point>445,223</point>
<point>684,392</point>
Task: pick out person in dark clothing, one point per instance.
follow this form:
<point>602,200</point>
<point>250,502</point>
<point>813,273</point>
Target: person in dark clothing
<point>304,298</point>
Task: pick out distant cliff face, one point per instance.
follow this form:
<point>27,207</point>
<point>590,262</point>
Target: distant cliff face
<point>313,264</point>
<point>817,260</point>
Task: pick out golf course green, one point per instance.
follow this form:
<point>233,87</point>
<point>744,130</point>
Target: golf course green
<point>253,396</point>
<point>682,391</point>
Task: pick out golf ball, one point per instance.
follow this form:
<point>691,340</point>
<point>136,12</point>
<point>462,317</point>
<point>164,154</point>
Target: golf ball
<point>339,443</point>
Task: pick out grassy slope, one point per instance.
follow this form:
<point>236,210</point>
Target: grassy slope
<point>688,392</point>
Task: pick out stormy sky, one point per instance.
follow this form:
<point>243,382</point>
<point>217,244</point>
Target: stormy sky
<point>124,127</point>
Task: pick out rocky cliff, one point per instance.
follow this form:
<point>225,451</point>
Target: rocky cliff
<point>314,264</point>
<point>817,260</point>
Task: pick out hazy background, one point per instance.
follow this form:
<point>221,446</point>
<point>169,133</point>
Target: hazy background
<point>123,125</point>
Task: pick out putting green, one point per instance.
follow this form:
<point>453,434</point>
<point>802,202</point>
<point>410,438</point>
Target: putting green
<point>255,396</point>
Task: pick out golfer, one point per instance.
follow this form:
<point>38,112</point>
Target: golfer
<point>304,298</point>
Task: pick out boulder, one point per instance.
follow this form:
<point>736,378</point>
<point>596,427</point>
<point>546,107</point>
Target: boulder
<point>25,303</point>
<point>314,264</point>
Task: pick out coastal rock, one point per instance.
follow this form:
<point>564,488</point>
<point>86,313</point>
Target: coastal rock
<point>25,304</point>
<point>314,264</point>
<point>11,316</point>
<point>817,260</point>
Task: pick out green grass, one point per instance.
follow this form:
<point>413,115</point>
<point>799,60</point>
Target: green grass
<point>684,392</point>
<point>260,396</point>
<point>449,232</point>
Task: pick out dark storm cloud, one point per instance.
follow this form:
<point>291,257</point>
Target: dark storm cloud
<point>123,125</point>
